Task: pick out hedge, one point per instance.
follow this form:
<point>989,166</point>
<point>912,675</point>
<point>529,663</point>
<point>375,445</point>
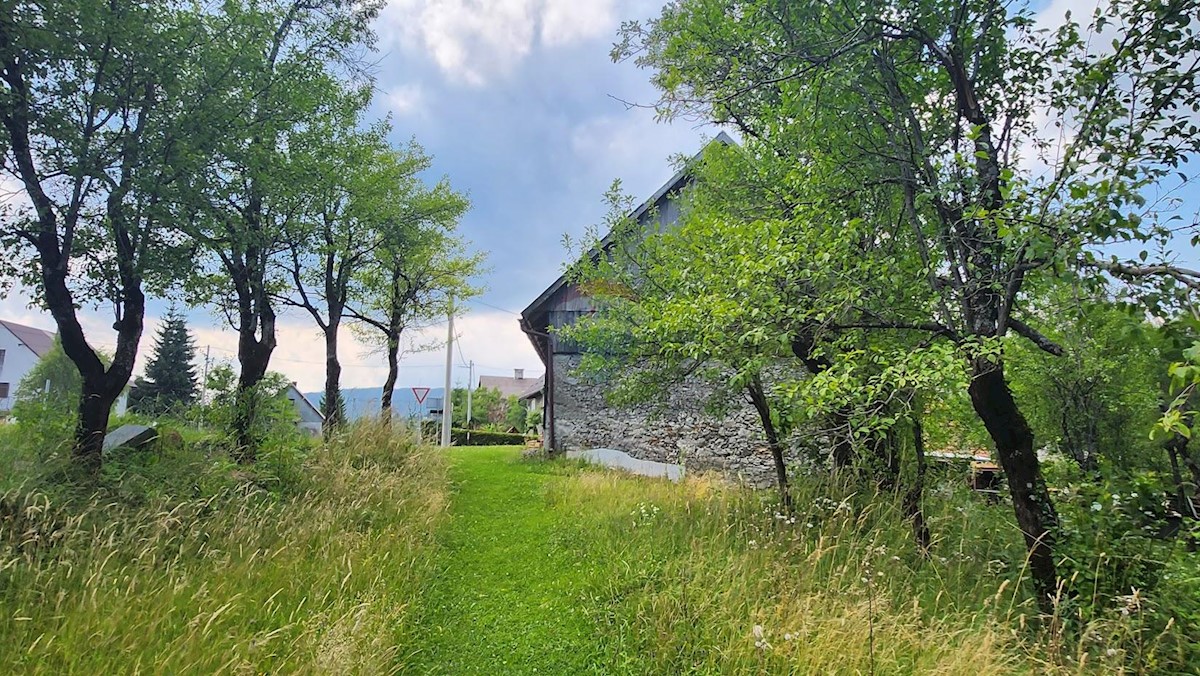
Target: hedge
<point>458,436</point>
<point>483,438</point>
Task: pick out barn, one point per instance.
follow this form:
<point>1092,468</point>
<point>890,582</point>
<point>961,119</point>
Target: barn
<point>576,416</point>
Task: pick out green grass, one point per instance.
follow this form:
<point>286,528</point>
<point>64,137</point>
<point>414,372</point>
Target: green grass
<point>553,567</point>
<point>548,567</point>
<point>505,595</point>
<point>371,556</point>
<point>246,571</point>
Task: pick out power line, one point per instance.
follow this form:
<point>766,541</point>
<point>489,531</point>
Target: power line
<point>496,307</point>
<point>321,363</point>
<point>458,344</point>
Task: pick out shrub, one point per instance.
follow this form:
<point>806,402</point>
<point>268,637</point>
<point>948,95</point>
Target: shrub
<point>485,438</point>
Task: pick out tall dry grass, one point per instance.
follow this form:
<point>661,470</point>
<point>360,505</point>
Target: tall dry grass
<point>311,575</point>
<point>703,577</point>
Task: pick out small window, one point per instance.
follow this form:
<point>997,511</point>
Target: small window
<point>1,360</point>
<point>3,390</point>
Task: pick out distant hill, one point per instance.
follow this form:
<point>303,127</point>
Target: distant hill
<point>364,401</point>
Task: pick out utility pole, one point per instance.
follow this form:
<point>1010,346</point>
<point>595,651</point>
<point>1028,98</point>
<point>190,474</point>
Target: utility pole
<point>470,386</point>
<point>204,378</point>
<point>446,398</point>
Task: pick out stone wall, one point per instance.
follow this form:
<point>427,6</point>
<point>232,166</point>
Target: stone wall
<point>678,432</point>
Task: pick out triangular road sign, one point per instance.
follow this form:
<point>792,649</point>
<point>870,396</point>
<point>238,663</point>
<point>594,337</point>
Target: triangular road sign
<point>420,393</point>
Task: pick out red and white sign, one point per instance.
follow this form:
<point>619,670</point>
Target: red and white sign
<point>420,393</point>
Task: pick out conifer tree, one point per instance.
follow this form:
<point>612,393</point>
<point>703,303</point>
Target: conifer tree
<point>170,381</point>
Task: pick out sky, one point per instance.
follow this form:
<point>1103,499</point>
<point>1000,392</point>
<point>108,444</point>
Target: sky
<point>521,107</point>
<point>517,102</point>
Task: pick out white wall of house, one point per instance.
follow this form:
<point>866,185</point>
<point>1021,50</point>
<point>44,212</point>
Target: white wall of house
<point>17,361</point>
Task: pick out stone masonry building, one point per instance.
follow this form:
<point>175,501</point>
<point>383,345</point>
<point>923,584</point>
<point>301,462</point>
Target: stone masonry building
<point>679,430</point>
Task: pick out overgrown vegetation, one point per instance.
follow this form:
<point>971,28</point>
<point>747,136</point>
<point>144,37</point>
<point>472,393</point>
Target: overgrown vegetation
<point>220,153</point>
<point>922,240</point>
<point>561,568</point>
<point>176,559</point>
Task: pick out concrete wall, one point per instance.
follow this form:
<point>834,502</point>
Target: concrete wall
<point>680,432</point>
<point>18,360</point>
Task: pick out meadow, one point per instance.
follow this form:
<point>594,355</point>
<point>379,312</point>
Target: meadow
<point>371,555</point>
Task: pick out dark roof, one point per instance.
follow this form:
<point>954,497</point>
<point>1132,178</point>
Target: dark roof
<point>38,340</point>
<point>509,387</point>
<point>534,389</point>
<point>676,181</point>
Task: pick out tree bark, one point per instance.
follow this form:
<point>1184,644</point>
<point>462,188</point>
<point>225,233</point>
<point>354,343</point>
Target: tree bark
<point>803,343</point>
<point>333,374</point>
<point>916,490</point>
<point>389,385</point>
<point>759,399</point>
<point>254,357</point>
<point>995,406</point>
<point>1177,448</point>
<point>885,451</point>
<point>100,385</point>
<point>92,425</point>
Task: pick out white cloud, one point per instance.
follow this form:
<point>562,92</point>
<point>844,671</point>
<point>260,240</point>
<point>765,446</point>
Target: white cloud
<point>405,99</point>
<point>568,21</point>
<point>492,339</point>
<point>474,40</point>
<point>633,146</point>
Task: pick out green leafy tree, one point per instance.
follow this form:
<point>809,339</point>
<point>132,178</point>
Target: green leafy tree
<point>670,310</point>
<point>53,380</point>
<point>416,273</point>
<point>487,407</point>
<point>170,383</point>
<point>514,414</point>
<point>104,109</point>
<point>276,415</point>
<point>921,208</point>
<point>533,420</point>
<point>1097,401</point>
<point>713,297</point>
<point>47,397</point>
<point>295,59</point>
<point>359,198</point>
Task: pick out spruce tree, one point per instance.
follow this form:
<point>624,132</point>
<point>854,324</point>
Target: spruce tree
<point>170,382</point>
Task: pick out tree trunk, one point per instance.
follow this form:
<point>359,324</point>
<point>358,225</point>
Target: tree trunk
<point>803,343</point>
<point>885,455</point>
<point>759,399</point>
<point>994,404</point>
<point>913,496</point>
<point>1176,448</point>
<point>254,356</point>
<point>389,385</point>
<point>91,427</point>
<point>100,385</point>
<point>333,374</point>
<point>1191,461</point>
<point>843,443</point>
<point>253,363</point>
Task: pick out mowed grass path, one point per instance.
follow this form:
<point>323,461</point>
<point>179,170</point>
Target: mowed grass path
<point>553,568</point>
<point>504,596</point>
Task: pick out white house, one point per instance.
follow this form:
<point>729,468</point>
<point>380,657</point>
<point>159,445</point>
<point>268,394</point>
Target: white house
<point>309,418</point>
<point>20,348</point>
